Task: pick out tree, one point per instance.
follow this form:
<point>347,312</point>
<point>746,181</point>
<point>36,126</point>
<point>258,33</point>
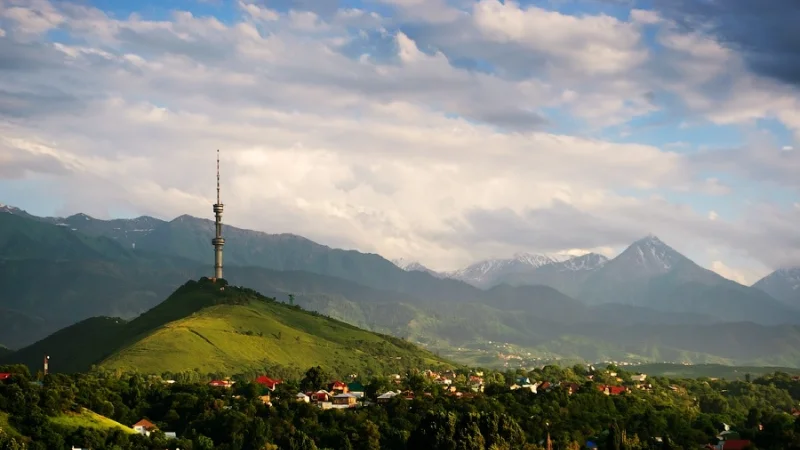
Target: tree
<point>435,430</point>
<point>203,443</point>
<point>314,379</point>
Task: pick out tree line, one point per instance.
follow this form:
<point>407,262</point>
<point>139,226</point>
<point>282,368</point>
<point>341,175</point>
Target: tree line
<point>669,414</point>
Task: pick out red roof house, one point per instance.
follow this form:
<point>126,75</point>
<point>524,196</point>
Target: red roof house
<point>144,427</point>
<point>338,386</point>
<point>268,382</point>
<point>4,376</point>
<point>611,390</point>
<point>320,396</point>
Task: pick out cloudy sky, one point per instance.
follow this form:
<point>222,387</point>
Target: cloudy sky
<point>444,131</point>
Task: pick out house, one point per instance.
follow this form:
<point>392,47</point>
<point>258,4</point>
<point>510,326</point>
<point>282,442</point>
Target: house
<point>639,378</point>
<point>443,381</point>
<point>221,383</point>
<point>301,397</point>
<point>611,390</point>
<point>266,399</point>
<point>321,396</point>
<point>408,395</point>
<point>268,382</point>
<point>355,386</point>
<point>144,427</point>
<point>338,387</point>
<point>345,399</point>
<point>571,387</point>
<point>386,396</point>
<point>171,435</point>
<point>523,380</point>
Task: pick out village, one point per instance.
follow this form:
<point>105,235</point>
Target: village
<point>460,384</point>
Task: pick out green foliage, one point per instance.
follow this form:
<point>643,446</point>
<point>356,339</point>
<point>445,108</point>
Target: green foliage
<point>59,414</point>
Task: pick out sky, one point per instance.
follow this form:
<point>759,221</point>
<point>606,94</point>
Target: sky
<point>442,131</point>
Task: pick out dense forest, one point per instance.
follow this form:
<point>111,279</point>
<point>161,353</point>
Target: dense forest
<point>570,408</point>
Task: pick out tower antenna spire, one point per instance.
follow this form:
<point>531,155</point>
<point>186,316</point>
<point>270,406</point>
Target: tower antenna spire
<point>218,241</point>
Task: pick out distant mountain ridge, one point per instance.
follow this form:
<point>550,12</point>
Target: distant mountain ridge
<point>782,284</point>
<point>649,284</point>
<point>515,270</point>
<point>415,266</point>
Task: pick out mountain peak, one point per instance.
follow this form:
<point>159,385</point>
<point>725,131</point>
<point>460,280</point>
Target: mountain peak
<point>410,265</point>
<point>650,254</point>
<point>188,218</point>
<point>651,239</point>
<point>79,216</point>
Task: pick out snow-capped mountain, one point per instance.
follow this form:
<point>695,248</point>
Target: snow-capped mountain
<point>411,265</point>
<point>646,257</point>
<point>783,284</point>
<point>587,262</point>
<point>566,276</point>
<point>487,273</point>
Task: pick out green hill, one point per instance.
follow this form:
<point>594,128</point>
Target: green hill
<point>218,328</point>
<point>71,421</point>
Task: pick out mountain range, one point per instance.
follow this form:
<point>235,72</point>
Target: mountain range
<point>596,279</point>
<point>650,303</point>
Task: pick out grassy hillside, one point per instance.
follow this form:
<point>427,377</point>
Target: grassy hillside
<point>71,421</point>
<point>232,330</point>
<point>6,427</point>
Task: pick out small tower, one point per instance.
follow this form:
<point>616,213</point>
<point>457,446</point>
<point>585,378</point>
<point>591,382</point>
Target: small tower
<point>218,240</point>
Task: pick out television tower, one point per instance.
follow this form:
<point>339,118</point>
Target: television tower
<point>218,240</point>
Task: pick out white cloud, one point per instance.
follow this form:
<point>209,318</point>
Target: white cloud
<point>389,153</point>
<point>595,45</point>
<point>731,274</point>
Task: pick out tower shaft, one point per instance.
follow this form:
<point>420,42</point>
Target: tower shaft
<point>218,241</point>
